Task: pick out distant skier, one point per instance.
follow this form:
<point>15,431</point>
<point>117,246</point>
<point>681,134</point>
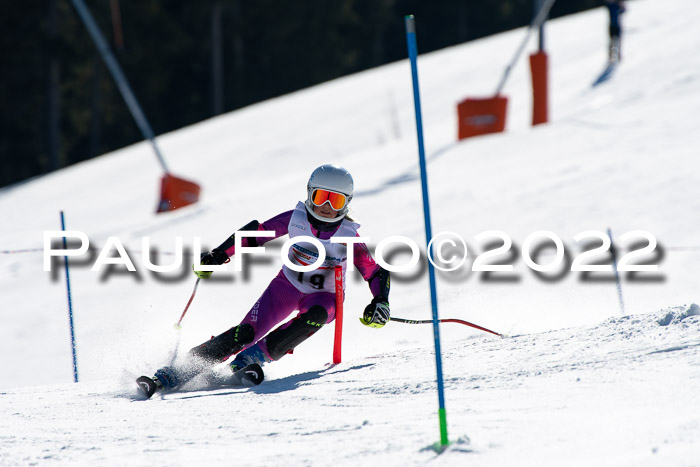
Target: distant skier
<point>323,215</point>
<point>616,8</point>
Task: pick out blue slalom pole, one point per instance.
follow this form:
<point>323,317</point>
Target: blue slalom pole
<point>412,53</point>
<point>70,305</point>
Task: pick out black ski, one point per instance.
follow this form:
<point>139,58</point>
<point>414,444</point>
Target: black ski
<point>248,376</point>
<point>251,375</point>
<point>147,386</point>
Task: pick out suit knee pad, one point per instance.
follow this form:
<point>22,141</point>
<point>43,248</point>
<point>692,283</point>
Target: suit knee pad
<point>282,340</point>
<point>226,344</point>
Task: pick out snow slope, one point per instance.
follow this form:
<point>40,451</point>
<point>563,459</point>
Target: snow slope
<point>577,384</point>
<point>619,393</point>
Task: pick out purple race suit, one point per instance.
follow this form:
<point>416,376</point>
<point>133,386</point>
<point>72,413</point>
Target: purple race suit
<point>291,290</point>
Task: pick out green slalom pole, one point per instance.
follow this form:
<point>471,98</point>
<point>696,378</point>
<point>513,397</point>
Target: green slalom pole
<point>412,53</point>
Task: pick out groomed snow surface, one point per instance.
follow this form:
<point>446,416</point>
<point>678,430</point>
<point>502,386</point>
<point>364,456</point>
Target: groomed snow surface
<point>577,381</point>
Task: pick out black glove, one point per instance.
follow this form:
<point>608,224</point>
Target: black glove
<point>376,314</point>
<point>215,256</point>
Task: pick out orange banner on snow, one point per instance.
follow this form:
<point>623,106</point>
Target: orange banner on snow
<point>480,116</point>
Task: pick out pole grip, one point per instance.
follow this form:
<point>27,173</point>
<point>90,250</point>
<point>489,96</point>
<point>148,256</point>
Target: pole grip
<point>338,340</point>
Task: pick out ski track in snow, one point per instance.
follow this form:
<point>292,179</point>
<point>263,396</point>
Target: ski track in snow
<point>576,384</point>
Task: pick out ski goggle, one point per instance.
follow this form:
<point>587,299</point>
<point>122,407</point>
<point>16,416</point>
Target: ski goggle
<point>320,196</point>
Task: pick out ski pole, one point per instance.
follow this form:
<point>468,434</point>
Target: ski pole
<point>444,320</point>
<point>177,325</point>
<point>613,253</point>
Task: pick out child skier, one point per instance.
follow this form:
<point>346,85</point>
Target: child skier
<point>323,215</point>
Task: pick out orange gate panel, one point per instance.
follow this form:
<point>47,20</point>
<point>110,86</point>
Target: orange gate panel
<point>480,116</point>
<point>176,192</point>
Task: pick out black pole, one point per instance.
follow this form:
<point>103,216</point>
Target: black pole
<point>538,6</point>
<point>119,78</point>
<point>54,116</point>
<point>217,60</point>
<point>94,149</point>
<point>239,82</point>
<point>537,21</point>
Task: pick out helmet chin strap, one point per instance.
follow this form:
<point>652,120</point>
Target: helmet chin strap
<point>323,224</point>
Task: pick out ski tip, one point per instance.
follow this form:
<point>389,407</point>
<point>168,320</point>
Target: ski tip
<point>147,387</point>
<point>249,376</point>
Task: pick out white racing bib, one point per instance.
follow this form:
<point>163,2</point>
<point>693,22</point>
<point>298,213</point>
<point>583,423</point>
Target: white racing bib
<point>304,253</point>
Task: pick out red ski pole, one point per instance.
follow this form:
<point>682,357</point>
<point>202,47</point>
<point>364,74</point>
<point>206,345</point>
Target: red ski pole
<point>177,325</point>
<point>338,341</point>
<point>447,320</point>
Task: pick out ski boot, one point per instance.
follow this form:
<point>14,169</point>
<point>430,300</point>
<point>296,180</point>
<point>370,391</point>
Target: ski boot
<point>249,356</point>
<point>165,379</point>
<point>206,355</point>
<point>247,367</point>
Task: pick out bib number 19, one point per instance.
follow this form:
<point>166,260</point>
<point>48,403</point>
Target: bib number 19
<point>315,280</point>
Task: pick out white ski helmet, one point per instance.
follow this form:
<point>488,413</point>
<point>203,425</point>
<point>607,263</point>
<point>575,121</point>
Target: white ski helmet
<point>332,178</point>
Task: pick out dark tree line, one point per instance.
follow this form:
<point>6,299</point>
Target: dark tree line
<point>187,61</point>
